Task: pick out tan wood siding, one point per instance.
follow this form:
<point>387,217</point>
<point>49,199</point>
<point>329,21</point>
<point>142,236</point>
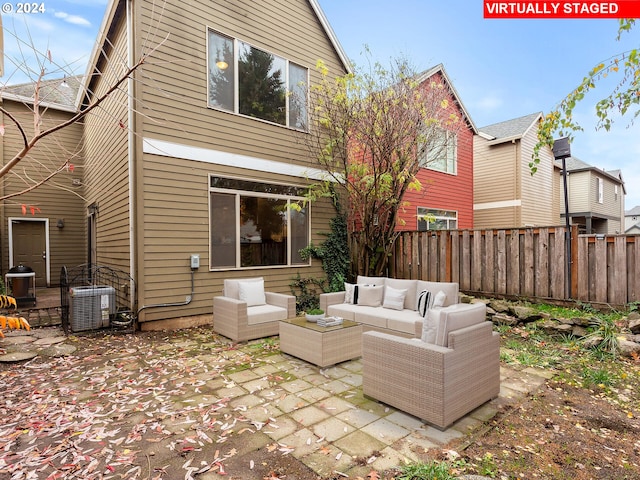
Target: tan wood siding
<point>173,193</point>
<point>495,177</point>
<point>106,161</point>
<point>58,198</point>
<point>175,100</point>
<point>176,225</point>
<point>537,189</point>
<point>581,195</point>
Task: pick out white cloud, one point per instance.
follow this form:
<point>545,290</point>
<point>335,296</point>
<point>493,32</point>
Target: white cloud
<point>73,19</point>
<point>490,102</point>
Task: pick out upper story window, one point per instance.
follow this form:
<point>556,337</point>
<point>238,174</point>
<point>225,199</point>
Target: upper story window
<point>442,154</point>
<point>600,192</point>
<point>249,81</point>
<point>255,224</point>
<point>430,219</point>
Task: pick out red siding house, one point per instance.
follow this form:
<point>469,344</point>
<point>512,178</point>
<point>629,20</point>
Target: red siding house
<point>446,198</point>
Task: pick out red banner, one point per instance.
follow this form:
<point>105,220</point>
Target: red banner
<point>562,9</point>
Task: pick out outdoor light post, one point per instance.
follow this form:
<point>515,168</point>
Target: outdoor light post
<point>561,151</point>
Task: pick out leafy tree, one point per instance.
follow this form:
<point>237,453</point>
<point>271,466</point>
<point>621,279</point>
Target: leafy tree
<point>624,99</point>
<point>372,131</point>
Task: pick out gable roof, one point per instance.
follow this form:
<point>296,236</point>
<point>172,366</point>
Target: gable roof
<point>440,69</point>
<point>576,165</point>
<point>633,212</point>
<point>510,130</point>
<point>57,93</point>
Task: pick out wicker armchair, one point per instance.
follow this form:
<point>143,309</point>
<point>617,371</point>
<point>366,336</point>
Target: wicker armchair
<point>436,383</point>
<point>245,311</point>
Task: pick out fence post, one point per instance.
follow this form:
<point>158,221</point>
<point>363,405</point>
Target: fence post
<point>573,288</point>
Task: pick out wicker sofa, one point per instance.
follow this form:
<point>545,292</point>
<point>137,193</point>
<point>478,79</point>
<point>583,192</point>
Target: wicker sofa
<point>376,314</point>
<point>437,382</point>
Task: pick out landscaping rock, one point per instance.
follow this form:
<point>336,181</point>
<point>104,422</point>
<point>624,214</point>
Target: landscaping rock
<point>591,342</point>
<point>500,306</point>
<point>634,323</point>
<point>565,328</point>
<point>628,349</point>
<point>578,331</point>
<point>525,314</point>
<point>504,319</point>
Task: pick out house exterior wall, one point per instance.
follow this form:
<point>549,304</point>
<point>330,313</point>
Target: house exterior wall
<point>106,179</point>
<point>505,192</point>
<point>583,201</point>
<point>445,191</point>
<point>538,205</point>
<point>55,199</point>
<point>172,189</point>
<point>496,197</point>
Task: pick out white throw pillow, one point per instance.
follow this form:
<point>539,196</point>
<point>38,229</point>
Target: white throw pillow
<point>349,289</point>
<point>394,298</point>
<point>430,326</point>
<point>252,293</point>
<point>370,296</point>
<point>439,299</point>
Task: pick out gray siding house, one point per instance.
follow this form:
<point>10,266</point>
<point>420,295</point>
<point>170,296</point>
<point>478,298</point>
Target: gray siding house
<point>596,198</point>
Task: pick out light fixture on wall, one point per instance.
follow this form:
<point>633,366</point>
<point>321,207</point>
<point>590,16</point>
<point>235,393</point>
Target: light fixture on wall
<point>60,223</point>
<point>222,65</point>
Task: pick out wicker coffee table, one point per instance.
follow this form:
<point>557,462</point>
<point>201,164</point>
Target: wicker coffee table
<point>322,346</point>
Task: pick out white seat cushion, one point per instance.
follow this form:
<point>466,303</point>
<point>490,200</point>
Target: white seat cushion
<point>265,313</point>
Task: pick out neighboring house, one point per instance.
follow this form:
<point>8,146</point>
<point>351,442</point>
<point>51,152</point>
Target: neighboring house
<point>504,191</point>
<point>632,220</point>
<point>446,199</point>
<point>42,229</point>
<point>196,155</point>
<point>596,197</point>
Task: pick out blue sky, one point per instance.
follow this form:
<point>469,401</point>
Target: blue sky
<point>502,69</point>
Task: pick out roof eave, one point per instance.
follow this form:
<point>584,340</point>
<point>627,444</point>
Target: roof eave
<point>29,101</point>
<point>440,69</point>
<point>332,35</point>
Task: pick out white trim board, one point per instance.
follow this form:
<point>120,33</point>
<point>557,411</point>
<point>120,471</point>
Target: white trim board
<point>153,146</point>
<point>503,204</point>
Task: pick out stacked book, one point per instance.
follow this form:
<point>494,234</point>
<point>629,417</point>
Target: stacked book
<point>330,321</point>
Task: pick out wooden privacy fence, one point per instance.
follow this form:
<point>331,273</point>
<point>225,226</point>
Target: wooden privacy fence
<point>531,263</point>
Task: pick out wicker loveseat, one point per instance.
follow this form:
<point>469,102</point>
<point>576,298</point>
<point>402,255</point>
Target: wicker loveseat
<point>245,311</point>
<point>437,382</point>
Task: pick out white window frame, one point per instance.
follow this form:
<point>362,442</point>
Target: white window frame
<point>290,90</point>
<point>600,190</point>
<point>437,214</point>
<point>447,162</point>
<point>238,193</point>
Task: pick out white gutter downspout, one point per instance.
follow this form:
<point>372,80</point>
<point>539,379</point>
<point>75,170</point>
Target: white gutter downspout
<point>131,151</point>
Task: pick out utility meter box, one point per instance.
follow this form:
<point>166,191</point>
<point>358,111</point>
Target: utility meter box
<point>90,307</point>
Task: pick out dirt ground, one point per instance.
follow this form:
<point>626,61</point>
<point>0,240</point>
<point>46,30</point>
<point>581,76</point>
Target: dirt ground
<point>564,431</point>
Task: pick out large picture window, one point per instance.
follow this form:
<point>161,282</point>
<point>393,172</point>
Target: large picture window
<point>256,224</point>
<point>249,81</point>
<point>442,154</point>
<point>431,219</point>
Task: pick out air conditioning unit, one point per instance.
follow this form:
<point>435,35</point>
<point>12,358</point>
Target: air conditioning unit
<point>90,307</point>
